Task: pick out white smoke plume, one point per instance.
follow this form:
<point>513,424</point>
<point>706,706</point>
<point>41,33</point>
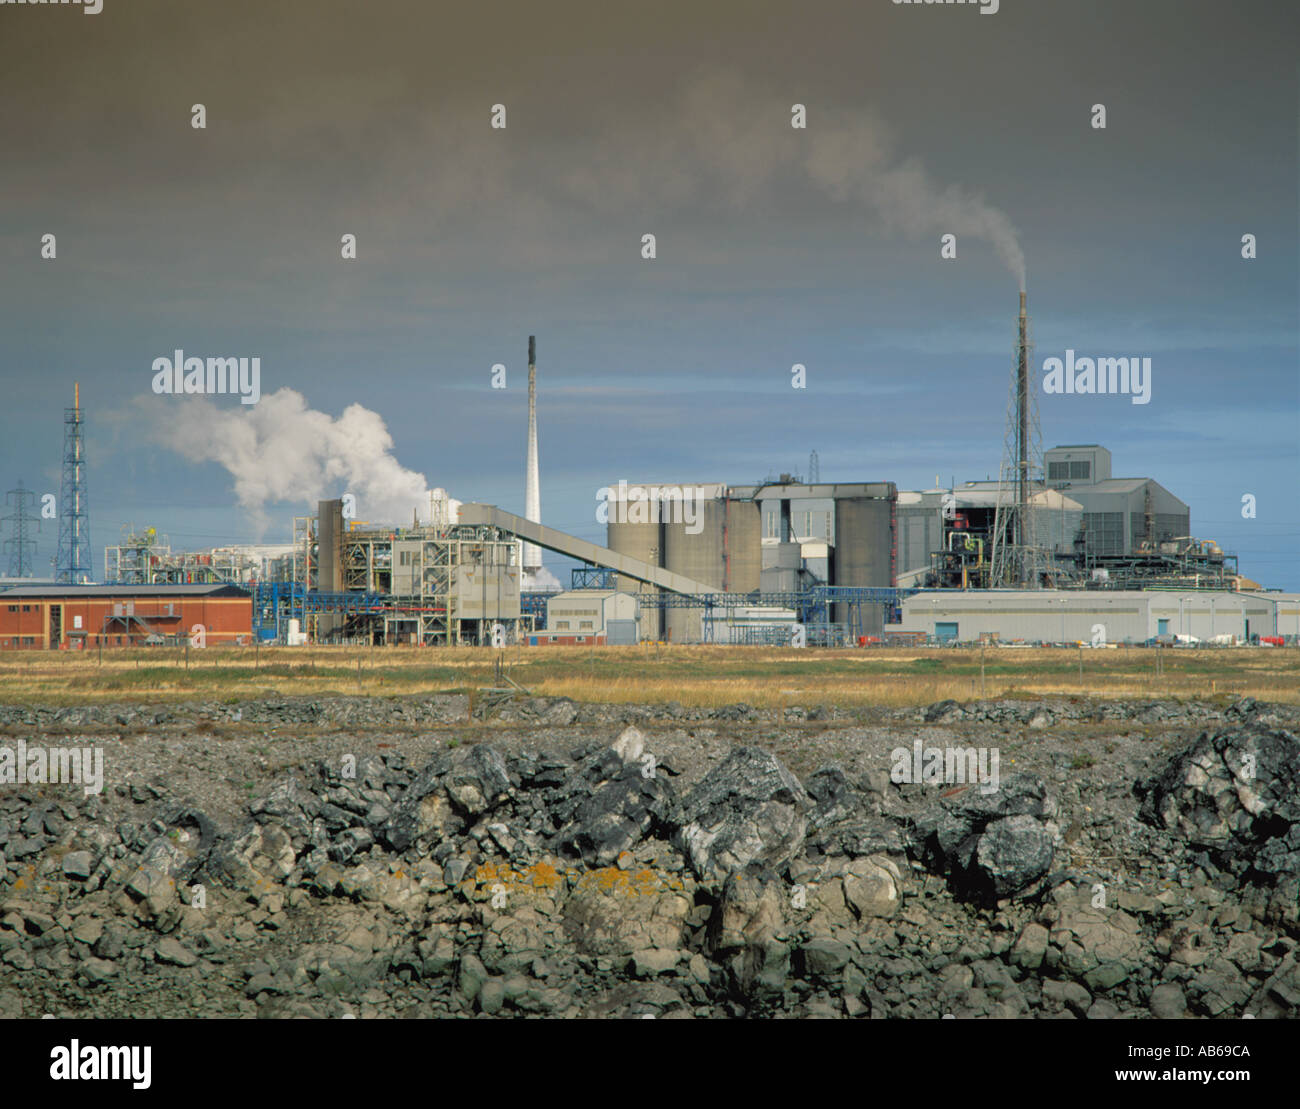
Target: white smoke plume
<point>727,140</point>
<point>279,450</point>
<point>541,580</point>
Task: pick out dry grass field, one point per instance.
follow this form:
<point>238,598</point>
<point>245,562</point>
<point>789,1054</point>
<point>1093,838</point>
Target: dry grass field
<point>693,676</point>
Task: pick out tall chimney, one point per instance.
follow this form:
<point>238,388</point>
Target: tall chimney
<point>1021,539</point>
<point>532,554</point>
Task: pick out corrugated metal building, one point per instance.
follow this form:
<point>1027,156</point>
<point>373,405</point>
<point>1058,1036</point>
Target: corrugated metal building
<point>1069,616</point>
<point>920,532</point>
<point>1288,612</point>
<point>608,614</point>
<point>55,616</point>
<point>1118,513</point>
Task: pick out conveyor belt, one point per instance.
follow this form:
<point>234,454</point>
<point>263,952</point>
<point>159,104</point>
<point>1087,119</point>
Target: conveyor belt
<point>562,543</point>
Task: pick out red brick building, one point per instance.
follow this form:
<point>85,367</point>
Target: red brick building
<point>35,617</point>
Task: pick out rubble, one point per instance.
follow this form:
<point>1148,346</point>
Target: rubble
<point>559,861</point>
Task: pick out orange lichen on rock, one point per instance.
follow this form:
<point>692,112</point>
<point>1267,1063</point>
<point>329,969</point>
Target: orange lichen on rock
<point>546,876</point>
<point>543,875</point>
<point>492,872</point>
<point>609,879</point>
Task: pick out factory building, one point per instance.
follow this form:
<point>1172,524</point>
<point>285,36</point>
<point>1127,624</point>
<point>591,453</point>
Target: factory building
<point>1090,527</point>
<point>1118,616</point>
<point>50,617</point>
<point>1121,516</point>
<point>702,562</point>
<point>434,584</point>
<point>591,615</point>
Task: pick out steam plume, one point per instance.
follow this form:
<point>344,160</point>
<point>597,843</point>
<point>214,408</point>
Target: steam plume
<point>280,450</point>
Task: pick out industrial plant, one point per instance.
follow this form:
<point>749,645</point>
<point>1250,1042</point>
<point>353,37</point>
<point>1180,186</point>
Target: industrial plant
<point>1056,550</point>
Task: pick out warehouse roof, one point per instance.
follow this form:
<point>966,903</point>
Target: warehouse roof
<point>1117,485</point>
<point>1106,485</point>
<point>71,591</point>
<point>985,495</point>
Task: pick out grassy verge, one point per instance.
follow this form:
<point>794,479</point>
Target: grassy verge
<point>694,676</point>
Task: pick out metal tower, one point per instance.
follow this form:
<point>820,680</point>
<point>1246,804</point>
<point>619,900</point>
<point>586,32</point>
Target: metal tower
<point>532,554</point>
<point>1019,561</point>
<point>20,560</point>
<point>72,564</point>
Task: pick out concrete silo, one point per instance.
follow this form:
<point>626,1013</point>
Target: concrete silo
<point>864,546</point>
<point>694,535</point>
<point>742,546</point>
<point>634,531</point>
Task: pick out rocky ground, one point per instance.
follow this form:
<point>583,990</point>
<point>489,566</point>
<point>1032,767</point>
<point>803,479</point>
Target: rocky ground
<point>406,858</point>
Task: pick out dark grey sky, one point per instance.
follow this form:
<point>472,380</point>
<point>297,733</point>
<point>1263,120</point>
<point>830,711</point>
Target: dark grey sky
<point>775,246</point>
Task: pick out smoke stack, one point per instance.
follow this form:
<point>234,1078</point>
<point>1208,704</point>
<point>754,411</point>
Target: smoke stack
<point>1022,429</point>
<point>532,554</point>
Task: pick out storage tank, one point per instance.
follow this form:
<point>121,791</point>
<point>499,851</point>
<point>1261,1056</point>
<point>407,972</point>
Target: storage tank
<point>863,551</point>
<point>640,540</point>
<point>695,550</point>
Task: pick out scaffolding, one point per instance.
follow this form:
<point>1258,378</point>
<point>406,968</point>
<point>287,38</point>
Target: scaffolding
<point>133,561</point>
<point>146,558</point>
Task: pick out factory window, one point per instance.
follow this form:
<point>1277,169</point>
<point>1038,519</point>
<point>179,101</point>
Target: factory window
<point>769,523</point>
<point>27,608</point>
<point>561,623</point>
<point>584,624</point>
<point>13,608</point>
<point>1069,471</point>
<point>404,558</point>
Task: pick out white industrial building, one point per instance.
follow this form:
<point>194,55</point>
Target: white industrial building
<point>592,614</point>
<point>1123,616</point>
